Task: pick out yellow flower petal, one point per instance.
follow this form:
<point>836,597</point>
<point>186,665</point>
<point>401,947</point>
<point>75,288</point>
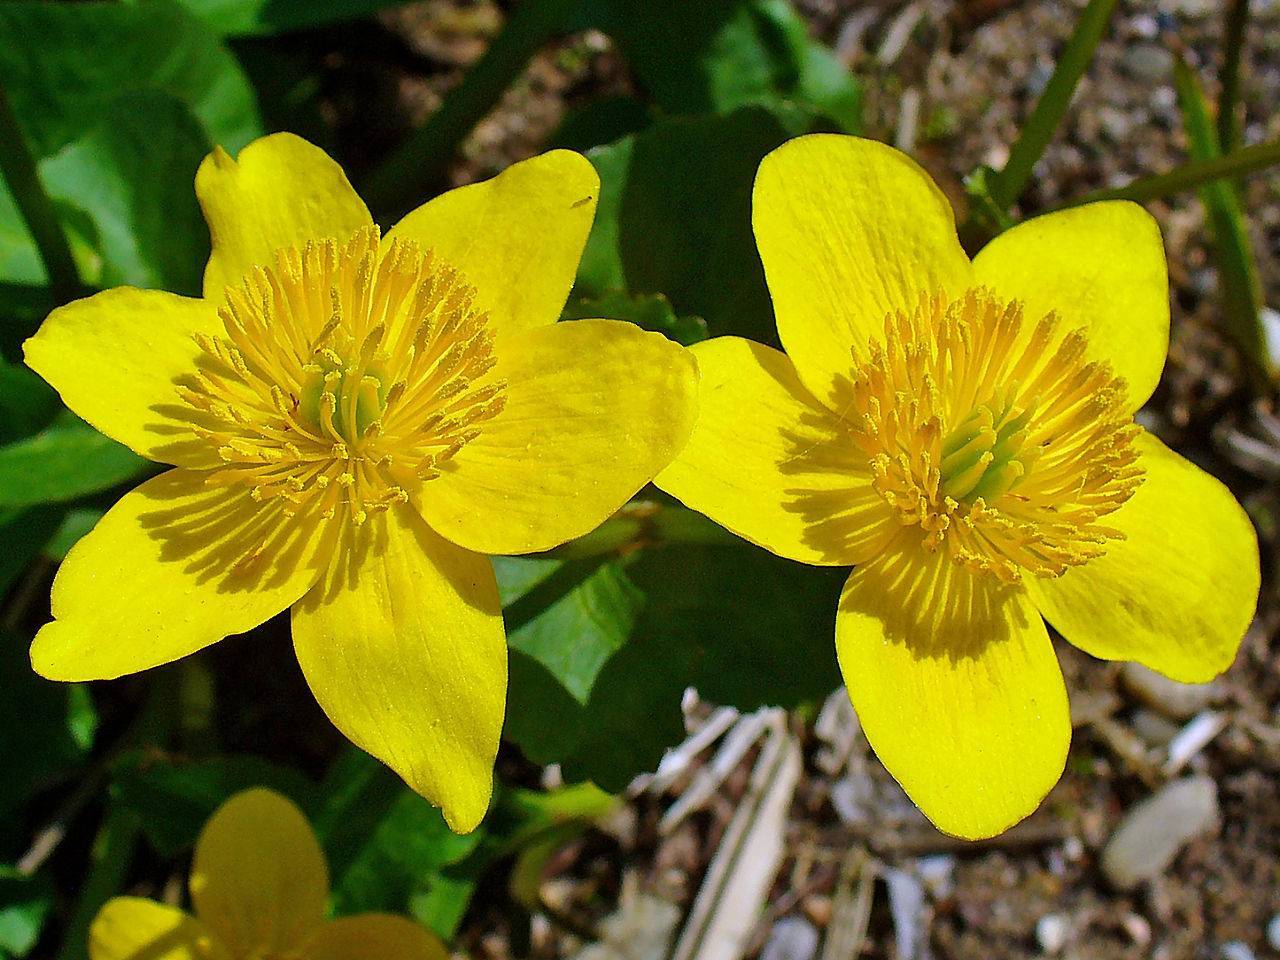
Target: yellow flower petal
<point>116,358</point>
<point>279,192</point>
<point>1178,593</point>
<point>957,687</point>
<point>516,238</point>
<point>375,935</point>
<point>130,928</point>
<point>259,880</point>
<point>174,566</point>
<point>404,649</point>
<point>1100,267</point>
<point>769,463</point>
<point>594,409</point>
<point>849,230</point>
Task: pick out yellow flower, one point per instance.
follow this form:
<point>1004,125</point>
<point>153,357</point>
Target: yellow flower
<point>962,432</point>
<point>260,889</point>
<point>354,422</point>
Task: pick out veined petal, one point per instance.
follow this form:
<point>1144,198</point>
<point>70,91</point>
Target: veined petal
<point>174,566</point>
<point>849,231</point>
<point>378,935</point>
<point>404,649</point>
<point>768,462</point>
<point>117,359</point>
<point>957,687</point>
<point>516,238</point>
<point>1101,268</point>
<point>131,928</point>
<point>259,880</point>
<point>279,192</point>
<point>594,409</point>
<point>1178,593</point>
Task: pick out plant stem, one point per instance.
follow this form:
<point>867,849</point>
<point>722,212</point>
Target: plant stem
<point>417,167</point>
<point>1237,20</point>
<point>112,857</point>
<point>121,826</point>
<point>1192,175</point>
<point>1232,247</point>
<point>18,167</point>
<point>1040,127</point>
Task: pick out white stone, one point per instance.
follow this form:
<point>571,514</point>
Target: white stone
<point>1153,831</point>
<point>1051,933</point>
<point>1178,701</point>
<point>1273,932</point>
<point>792,938</point>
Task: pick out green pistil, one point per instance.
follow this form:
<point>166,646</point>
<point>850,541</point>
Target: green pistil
<point>987,454</point>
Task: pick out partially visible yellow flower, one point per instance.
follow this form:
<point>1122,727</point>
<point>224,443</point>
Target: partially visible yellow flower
<point>354,421</point>
<point>962,432</point>
<point>260,890</point>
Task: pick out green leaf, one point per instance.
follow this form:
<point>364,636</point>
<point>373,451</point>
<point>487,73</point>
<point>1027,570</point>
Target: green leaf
<point>652,312</point>
<point>25,905</point>
<point>518,820</point>
<point>173,800</point>
<point>387,847</point>
<point>442,902</point>
<point>239,18</point>
<point>64,64</point>
<point>603,649</point>
<point>19,258</point>
<point>715,56</point>
<point>67,460</point>
<point>400,856</point>
<point>674,218</point>
<point>24,534</point>
<point>23,306</point>
<point>27,403</point>
<point>73,526</point>
<point>599,122</point>
<point>132,178</point>
<point>46,730</point>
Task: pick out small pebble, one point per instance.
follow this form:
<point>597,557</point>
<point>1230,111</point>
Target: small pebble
<point>1153,831</point>
<point>1177,701</point>
<point>1051,933</point>
<point>1145,26</point>
<point>1273,932</point>
<point>938,874</point>
<point>792,938</point>
<point>1147,61</point>
<point>1154,729</point>
<point>1073,849</point>
<point>1235,950</point>
<point>1138,929</point>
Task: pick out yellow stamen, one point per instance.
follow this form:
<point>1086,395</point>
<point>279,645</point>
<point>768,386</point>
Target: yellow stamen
<point>348,374</point>
<point>1002,447</point>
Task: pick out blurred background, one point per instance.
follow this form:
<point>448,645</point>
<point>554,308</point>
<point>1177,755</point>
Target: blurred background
<point>681,777</point>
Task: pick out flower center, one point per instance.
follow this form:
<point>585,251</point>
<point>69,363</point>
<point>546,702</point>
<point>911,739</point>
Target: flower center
<point>348,375</point>
<point>999,441</point>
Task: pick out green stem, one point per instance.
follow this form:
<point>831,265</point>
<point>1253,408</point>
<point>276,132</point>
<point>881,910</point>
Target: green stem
<point>415,170</point>
<point>121,827</point>
<point>1237,20</point>
<point>1232,247</point>
<point>1191,176</point>
<point>18,167</point>
<point>1040,127</point>
<point>112,857</point>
